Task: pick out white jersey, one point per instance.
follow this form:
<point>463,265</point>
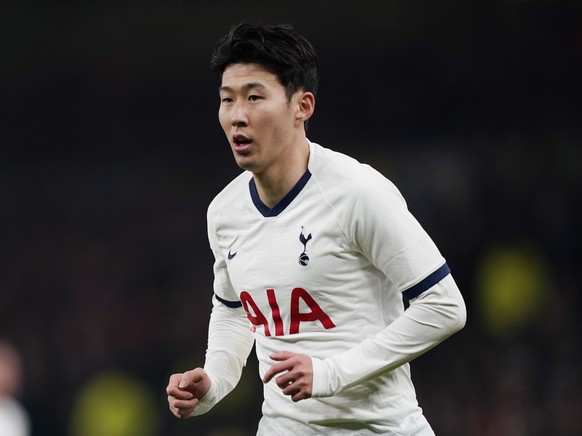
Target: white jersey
<point>14,420</point>
<point>319,274</point>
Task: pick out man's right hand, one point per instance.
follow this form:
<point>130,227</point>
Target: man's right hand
<point>185,390</point>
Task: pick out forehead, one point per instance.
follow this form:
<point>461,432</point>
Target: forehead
<point>239,75</point>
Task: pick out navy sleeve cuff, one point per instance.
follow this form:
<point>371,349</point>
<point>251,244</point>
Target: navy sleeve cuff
<point>231,304</point>
<point>427,282</point>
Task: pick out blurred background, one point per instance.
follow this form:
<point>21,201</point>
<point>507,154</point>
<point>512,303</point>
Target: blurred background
<point>111,151</point>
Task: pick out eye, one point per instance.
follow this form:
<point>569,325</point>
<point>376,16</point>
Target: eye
<point>254,97</point>
<point>226,100</point>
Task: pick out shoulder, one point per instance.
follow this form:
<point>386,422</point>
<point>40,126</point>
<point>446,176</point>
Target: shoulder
<point>325,161</point>
<point>340,175</point>
<point>230,197</point>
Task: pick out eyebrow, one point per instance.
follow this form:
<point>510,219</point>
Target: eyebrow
<point>246,87</point>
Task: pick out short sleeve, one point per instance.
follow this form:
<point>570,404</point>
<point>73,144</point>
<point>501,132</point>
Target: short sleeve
<point>222,286</point>
<point>389,236</point>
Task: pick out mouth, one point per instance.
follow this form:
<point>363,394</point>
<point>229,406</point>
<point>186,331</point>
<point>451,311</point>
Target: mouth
<point>241,142</point>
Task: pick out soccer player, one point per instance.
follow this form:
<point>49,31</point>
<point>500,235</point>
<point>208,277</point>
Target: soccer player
<point>314,253</point>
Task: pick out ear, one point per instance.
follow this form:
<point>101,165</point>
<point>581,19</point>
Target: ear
<point>305,106</point>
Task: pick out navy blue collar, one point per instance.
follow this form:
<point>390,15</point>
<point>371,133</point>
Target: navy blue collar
<point>285,201</point>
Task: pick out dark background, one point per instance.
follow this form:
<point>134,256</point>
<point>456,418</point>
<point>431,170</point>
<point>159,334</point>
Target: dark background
<point>111,151</point>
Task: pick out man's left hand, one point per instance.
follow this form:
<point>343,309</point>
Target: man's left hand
<point>296,379</point>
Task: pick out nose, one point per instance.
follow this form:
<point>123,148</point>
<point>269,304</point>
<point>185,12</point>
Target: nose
<point>238,115</point>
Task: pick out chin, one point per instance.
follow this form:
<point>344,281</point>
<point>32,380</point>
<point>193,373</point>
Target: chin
<point>245,164</point>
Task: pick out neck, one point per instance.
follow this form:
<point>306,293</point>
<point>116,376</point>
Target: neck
<point>274,184</point>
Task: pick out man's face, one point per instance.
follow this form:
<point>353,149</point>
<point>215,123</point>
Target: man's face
<point>258,120</point>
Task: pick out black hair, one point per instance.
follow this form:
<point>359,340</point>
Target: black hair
<point>277,47</point>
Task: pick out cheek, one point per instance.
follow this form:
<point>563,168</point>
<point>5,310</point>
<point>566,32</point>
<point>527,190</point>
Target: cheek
<point>274,122</point>
<point>222,120</point>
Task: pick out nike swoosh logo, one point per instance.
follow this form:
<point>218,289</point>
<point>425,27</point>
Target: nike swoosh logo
<point>231,255</point>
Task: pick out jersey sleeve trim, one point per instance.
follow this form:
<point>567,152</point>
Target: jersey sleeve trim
<point>427,282</point>
<point>231,304</point>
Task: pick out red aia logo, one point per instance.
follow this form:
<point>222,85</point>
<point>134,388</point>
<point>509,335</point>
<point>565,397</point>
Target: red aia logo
<point>257,318</point>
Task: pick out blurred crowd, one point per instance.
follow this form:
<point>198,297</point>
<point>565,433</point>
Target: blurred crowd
<point>105,270</point>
